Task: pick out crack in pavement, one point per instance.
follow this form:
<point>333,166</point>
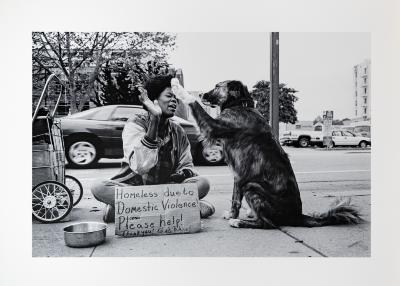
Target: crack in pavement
<point>303,243</point>
<point>333,196</point>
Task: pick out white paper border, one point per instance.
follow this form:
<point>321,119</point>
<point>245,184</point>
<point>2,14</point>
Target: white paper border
<point>19,18</point>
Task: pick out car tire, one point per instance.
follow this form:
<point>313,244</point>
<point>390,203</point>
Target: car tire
<point>304,142</point>
<point>210,154</point>
<point>363,144</point>
<point>82,153</point>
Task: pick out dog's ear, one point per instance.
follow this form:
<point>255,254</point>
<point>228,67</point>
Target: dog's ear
<point>237,90</point>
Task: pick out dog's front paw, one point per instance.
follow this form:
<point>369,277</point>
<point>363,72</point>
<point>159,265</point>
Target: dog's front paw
<point>233,222</point>
<point>227,215</point>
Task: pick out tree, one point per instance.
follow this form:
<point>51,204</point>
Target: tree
<point>108,87</point>
<point>118,82</point>
<point>76,55</point>
<point>287,112</point>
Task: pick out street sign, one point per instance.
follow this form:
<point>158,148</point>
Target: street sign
<point>327,128</point>
<point>156,210</point>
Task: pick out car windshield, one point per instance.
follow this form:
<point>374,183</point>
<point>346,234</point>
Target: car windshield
<point>99,113</point>
<point>82,114</point>
<point>348,133</point>
<point>123,113</point>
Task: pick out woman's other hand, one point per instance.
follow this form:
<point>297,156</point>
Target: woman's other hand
<point>152,107</point>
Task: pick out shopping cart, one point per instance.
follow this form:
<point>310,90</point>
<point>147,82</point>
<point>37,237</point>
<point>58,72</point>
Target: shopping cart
<point>52,199</point>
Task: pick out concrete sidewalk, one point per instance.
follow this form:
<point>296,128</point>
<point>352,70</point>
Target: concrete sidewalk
<point>217,238</point>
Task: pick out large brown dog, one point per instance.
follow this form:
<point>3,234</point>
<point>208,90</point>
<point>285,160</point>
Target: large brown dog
<point>262,170</point>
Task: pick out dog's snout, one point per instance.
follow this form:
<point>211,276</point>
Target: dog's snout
<point>205,98</point>
<point>209,98</point>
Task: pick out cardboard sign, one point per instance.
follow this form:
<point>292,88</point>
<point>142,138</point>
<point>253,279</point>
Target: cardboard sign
<point>156,210</point>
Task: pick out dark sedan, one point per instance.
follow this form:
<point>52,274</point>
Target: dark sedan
<point>97,133</point>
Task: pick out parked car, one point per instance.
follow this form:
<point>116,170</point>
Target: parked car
<point>304,138</point>
<point>301,138</point>
<point>347,138</point>
<point>97,133</point>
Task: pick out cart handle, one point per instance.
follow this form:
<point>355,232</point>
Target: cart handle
<point>43,95</point>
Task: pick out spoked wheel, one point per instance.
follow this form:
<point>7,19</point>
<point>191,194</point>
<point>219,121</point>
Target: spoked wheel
<point>75,188</point>
<point>51,201</point>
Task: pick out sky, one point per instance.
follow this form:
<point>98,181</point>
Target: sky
<point>318,65</point>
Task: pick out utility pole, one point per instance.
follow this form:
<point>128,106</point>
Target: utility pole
<point>274,85</point>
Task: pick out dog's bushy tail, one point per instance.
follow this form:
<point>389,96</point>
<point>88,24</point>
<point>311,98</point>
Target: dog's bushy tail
<point>342,211</point>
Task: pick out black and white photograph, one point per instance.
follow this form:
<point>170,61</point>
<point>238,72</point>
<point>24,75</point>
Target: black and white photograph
<point>203,142</point>
<point>125,124</point>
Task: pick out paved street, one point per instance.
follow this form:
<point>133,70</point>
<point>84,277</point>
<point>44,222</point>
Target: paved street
<point>322,176</point>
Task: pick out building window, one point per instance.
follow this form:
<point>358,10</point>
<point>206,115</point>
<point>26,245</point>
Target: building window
<point>365,100</point>
<point>356,112</point>
<point>365,110</point>
<point>365,70</point>
<point>365,90</point>
<point>365,80</point>
<point>356,93</point>
<point>356,103</point>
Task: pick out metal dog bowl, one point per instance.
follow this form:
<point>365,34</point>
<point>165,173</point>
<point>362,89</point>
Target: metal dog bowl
<point>85,234</point>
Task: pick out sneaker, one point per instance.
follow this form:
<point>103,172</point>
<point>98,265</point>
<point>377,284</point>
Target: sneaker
<point>206,209</point>
<point>109,214</point>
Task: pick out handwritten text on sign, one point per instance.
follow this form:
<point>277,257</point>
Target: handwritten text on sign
<point>156,209</point>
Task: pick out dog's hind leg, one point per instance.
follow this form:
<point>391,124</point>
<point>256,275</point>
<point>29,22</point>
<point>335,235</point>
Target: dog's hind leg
<point>258,204</point>
<point>242,223</point>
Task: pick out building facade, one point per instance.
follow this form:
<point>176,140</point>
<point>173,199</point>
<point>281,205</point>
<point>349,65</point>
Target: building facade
<point>362,91</point>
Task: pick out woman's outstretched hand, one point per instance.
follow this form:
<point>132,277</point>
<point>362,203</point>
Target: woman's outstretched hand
<point>152,107</point>
<point>180,92</point>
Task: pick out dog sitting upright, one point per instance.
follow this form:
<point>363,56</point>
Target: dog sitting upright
<point>262,170</point>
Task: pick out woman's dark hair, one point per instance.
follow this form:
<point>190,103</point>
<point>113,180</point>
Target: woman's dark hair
<point>156,85</point>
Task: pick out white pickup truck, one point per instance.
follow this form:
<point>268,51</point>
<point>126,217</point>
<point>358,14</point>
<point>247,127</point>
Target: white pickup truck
<point>304,138</point>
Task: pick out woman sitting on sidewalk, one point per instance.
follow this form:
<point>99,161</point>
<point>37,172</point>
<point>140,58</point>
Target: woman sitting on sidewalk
<point>156,150</point>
